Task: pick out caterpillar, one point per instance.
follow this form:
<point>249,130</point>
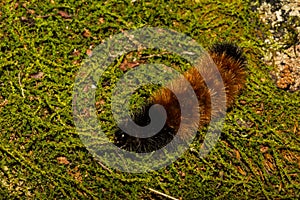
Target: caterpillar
<point>230,61</point>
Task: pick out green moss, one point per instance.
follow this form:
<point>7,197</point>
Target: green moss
<point>257,156</point>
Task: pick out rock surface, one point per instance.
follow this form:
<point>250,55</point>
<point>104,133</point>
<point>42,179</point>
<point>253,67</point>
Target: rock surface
<point>282,41</point>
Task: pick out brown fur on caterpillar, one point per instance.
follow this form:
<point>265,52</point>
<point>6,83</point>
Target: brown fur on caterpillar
<point>230,62</point>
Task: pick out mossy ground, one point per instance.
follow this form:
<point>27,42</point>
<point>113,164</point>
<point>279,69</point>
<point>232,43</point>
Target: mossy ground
<point>42,157</point>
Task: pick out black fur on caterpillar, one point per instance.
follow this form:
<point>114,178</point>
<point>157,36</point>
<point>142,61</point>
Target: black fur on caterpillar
<point>230,62</point>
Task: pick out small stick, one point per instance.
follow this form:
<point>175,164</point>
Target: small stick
<point>162,194</point>
<point>22,91</point>
<point>104,167</point>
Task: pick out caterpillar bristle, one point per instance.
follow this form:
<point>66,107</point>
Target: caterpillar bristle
<point>230,62</point>
<point>230,50</point>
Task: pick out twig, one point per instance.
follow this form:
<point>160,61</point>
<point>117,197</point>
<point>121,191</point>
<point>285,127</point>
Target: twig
<point>104,167</point>
<point>22,90</point>
<point>162,194</point>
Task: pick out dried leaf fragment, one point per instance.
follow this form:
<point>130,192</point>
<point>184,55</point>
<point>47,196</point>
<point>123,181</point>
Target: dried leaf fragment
<point>89,52</point>
<point>62,160</point>
<point>64,14</point>
<point>128,65</point>
<point>86,33</point>
<point>76,52</point>
<point>38,75</point>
